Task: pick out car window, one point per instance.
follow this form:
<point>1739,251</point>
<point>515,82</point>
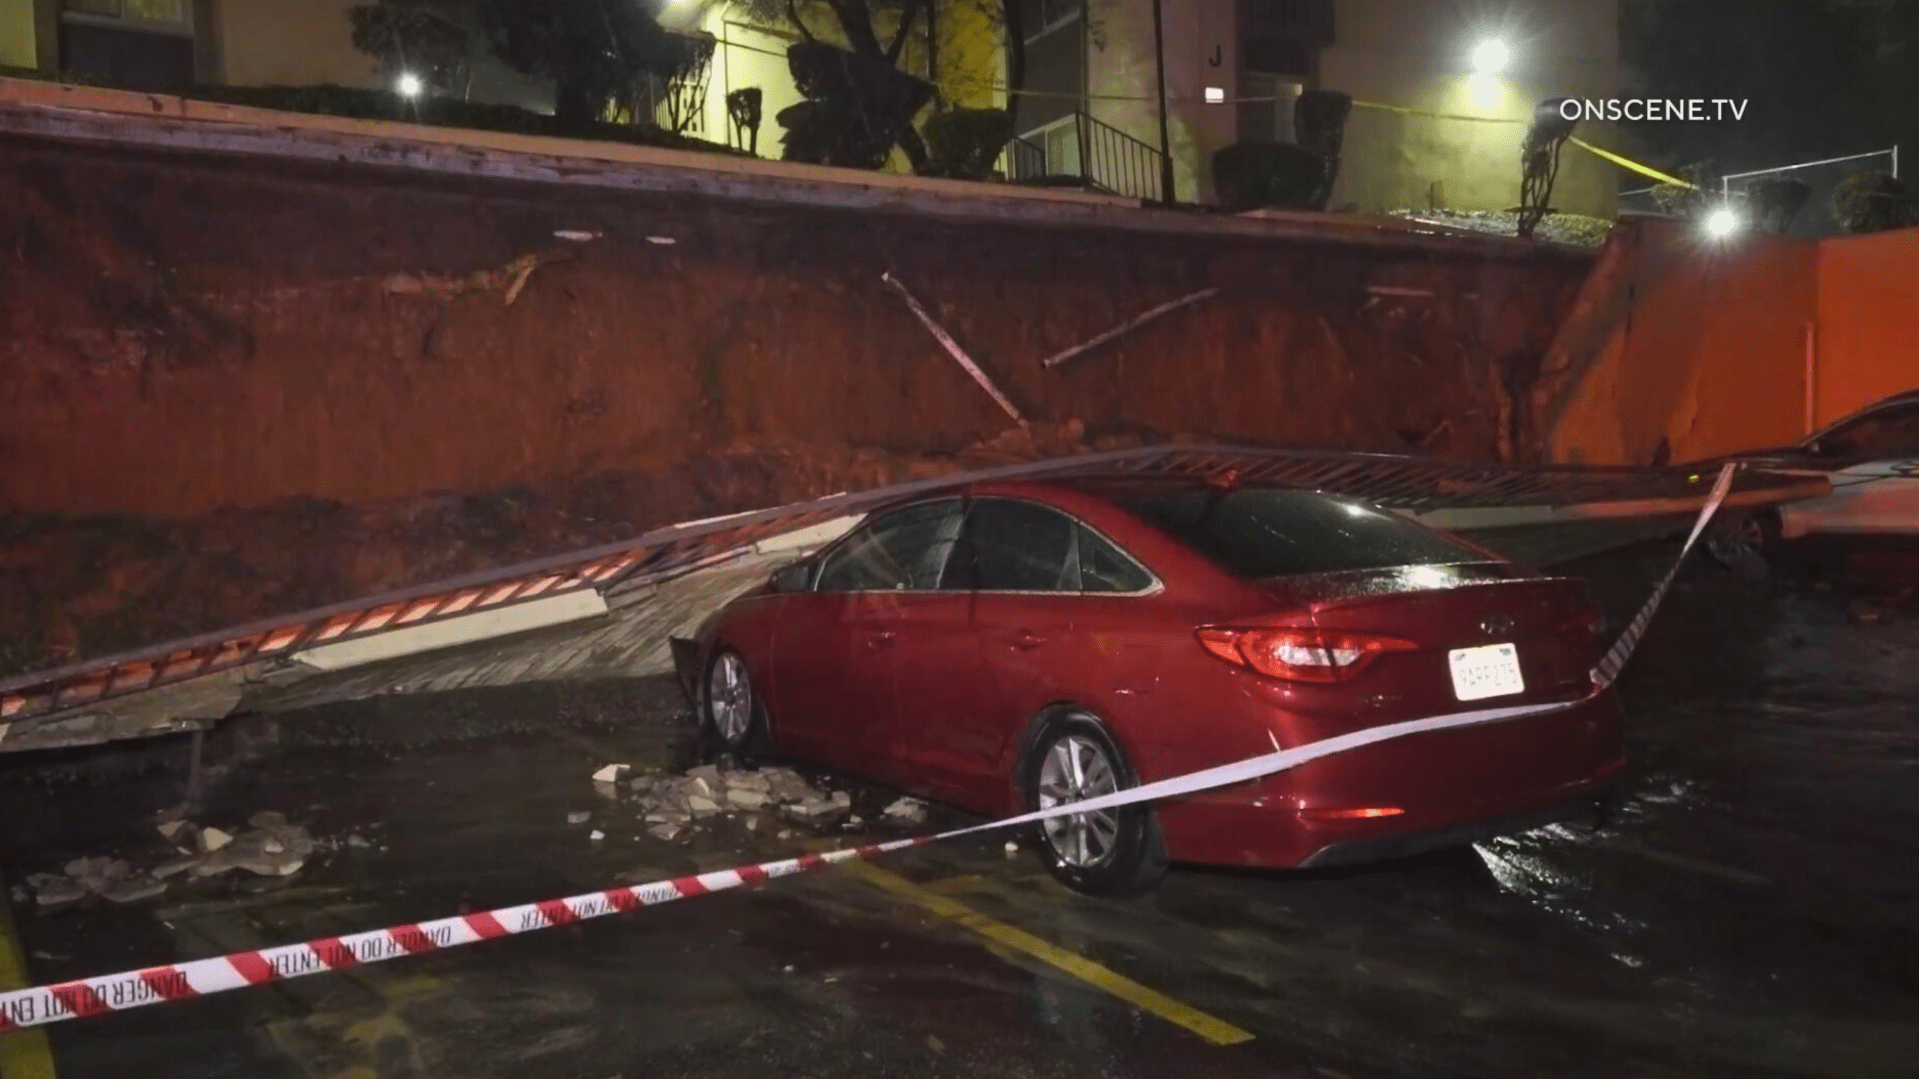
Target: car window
<point>1013,546</point>
<point>1889,432</point>
<point>1256,534</point>
<point>907,548</point>
<point>1105,568</point>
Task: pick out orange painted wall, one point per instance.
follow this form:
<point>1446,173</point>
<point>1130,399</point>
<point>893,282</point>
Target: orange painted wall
<point>1711,357</point>
<point>1868,302</point>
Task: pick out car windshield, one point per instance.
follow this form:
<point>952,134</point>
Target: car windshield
<point>1258,534</point>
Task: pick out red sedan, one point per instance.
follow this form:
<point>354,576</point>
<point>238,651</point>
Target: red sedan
<point>1017,645</point>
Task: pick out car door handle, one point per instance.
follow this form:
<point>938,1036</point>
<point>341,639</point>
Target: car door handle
<point>1026,640</point>
<point>880,638</point>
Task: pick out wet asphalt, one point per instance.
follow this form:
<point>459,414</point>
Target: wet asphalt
<point>1751,912</point>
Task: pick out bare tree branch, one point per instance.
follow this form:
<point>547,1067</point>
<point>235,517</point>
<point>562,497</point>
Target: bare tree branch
<point>907,18</point>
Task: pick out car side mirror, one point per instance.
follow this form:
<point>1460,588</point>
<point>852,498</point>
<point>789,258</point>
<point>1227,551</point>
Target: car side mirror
<point>797,577</point>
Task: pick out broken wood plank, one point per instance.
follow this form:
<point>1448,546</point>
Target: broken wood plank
<point>952,348</point>
<point>1128,327</point>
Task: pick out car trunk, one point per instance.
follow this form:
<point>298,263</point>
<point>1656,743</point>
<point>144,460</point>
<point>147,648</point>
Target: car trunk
<point>1555,629</point>
<point>1551,622</point>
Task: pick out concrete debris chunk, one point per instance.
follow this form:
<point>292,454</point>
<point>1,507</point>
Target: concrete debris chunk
<point>213,839</point>
<point>266,818</point>
<point>708,773</point>
<point>668,832</point>
<point>750,781</point>
<point>612,773</point>
<point>358,842</point>
<point>907,811</point>
<point>813,810</point>
<point>170,830</point>
<point>702,806</point>
<point>746,798</point>
<point>134,889</point>
<point>173,867</point>
<point>596,835</point>
<point>50,890</point>
<point>842,799</point>
<point>580,817</point>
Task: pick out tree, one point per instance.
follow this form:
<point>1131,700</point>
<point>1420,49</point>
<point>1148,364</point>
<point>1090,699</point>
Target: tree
<point>431,39</point>
<point>875,87</point>
<point>1809,69</point>
<point>594,51</point>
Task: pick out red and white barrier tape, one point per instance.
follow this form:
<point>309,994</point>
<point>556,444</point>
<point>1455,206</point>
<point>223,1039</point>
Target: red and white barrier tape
<point>182,981</point>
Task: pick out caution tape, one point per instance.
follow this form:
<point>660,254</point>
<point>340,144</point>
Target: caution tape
<point>1628,163</point>
<point>92,997</point>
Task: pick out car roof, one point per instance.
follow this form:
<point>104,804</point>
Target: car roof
<point>1905,397</point>
<point>1113,487</point>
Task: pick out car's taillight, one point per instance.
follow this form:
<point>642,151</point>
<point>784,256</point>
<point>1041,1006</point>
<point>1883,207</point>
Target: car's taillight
<point>1300,655</point>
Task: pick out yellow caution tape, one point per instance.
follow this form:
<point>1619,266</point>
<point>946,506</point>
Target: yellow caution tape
<point>969,85</point>
<point>1627,163</point>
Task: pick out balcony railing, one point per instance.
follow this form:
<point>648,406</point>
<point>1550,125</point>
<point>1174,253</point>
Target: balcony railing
<point>1080,147</point>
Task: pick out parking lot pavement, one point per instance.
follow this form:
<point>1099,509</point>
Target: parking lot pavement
<point>1751,912</point>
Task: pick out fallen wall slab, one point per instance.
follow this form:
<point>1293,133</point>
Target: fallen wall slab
<point>661,584</point>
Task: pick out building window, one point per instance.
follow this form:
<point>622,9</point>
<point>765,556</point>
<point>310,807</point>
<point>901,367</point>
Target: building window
<point>141,44</point>
<point>1045,16</point>
<point>175,16</point>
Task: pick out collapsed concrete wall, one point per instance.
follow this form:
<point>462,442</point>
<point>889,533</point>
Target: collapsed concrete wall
<point>314,382</point>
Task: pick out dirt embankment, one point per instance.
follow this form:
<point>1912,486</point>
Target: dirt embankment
<point>239,388</point>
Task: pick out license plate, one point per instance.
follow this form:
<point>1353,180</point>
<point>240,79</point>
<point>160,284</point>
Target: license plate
<point>1488,671</point>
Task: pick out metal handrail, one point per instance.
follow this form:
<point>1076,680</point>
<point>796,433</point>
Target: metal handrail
<point>1109,159</point>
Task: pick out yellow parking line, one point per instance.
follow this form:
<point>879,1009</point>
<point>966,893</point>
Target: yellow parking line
<point>24,1054</point>
<point>1217,1031</point>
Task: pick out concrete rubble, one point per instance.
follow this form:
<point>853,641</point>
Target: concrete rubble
<point>673,807</point>
<point>268,847</point>
<point>908,811</point>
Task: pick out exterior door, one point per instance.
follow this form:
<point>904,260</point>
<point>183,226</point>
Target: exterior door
<point>835,691</point>
<point>1016,556</point>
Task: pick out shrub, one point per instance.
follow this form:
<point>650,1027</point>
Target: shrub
<point>965,143</point>
<point>856,108</point>
<point>1319,119</point>
<point>1872,202</point>
<point>1249,175</point>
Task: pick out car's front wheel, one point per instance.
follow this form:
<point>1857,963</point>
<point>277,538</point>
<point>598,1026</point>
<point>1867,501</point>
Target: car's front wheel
<point>1104,852</point>
<point>732,711</point>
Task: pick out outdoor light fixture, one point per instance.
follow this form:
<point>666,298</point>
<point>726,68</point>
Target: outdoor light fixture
<point>410,85</point>
<point>1723,222</point>
<point>1215,95</point>
<point>1491,56</point>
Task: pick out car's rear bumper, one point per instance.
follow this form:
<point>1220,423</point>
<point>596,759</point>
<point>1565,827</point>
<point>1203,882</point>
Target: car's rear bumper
<point>1406,795</point>
<point>1392,845</point>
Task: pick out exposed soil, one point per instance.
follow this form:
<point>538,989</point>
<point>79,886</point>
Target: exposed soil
<point>244,388</point>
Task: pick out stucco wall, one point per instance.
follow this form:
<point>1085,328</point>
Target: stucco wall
<point>18,34</point>
<point>1868,320</point>
<point>291,43</point>
<point>1416,54</point>
<point>1710,357</point>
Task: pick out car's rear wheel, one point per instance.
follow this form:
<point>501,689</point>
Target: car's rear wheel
<point>732,711</point>
<point>1105,852</point>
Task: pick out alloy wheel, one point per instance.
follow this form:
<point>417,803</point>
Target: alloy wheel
<point>1076,768</point>
<point>729,698</point>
